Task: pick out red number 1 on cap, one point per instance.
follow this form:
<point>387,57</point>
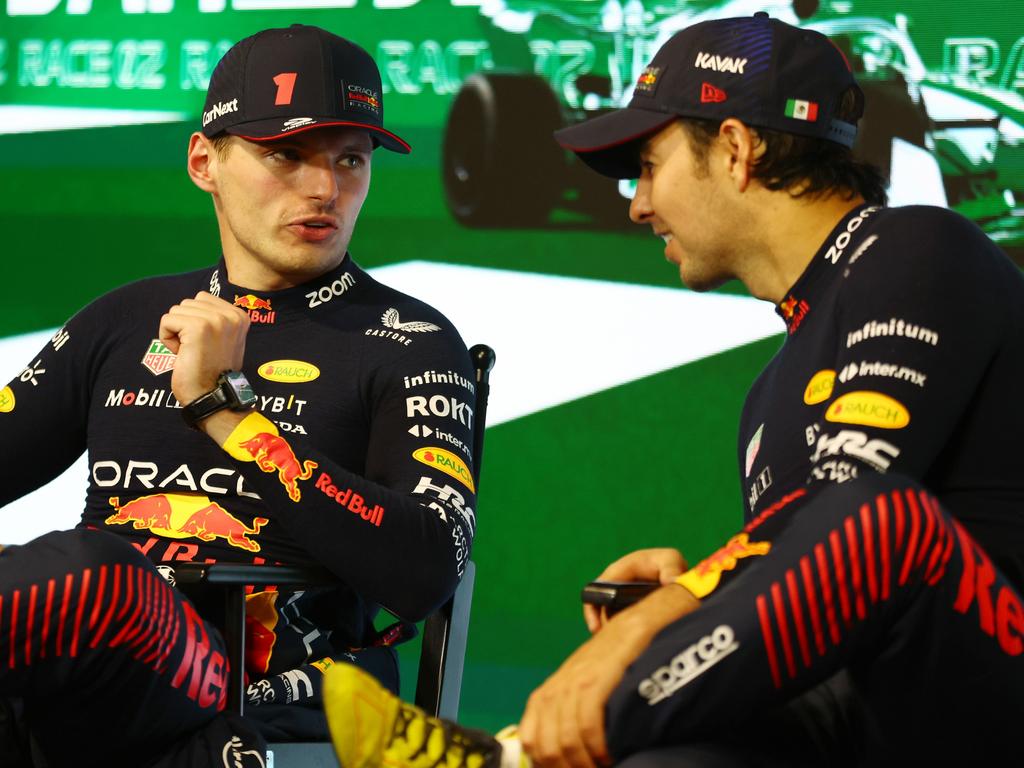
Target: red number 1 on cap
<point>285,83</point>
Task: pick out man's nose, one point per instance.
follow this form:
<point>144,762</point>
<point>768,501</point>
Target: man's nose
<point>640,208</point>
<point>322,180</point>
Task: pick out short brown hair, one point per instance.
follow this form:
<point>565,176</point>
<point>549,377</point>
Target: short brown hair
<point>221,144</point>
<point>802,165</point>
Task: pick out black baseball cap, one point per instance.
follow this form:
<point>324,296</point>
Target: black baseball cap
<point>760,70</point>
<point>279,82</point>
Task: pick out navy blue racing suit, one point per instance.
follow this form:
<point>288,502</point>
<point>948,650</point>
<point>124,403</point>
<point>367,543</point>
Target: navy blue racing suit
<point>357,459</point>
<point>903,354</point>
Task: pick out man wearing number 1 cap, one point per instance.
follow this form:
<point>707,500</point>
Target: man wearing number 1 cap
<point>258,410</point>
<point>854,619</point>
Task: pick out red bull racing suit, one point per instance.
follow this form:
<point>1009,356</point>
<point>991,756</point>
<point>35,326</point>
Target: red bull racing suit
<point>900,370</point>
<point>357,458</point>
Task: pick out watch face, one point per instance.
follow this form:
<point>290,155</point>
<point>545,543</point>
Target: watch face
<point>241,388</point>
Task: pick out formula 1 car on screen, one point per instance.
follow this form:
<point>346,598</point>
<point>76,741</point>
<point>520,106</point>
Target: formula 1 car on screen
<point>559,63</point>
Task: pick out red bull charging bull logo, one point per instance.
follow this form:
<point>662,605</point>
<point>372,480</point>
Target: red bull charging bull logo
<point>273,454</point>
<point>703,578</point>
<point>179,516</point>
<point>253,305</point>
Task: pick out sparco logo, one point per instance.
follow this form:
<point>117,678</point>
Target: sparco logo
<point>219,110</point>
<point>835,251</point>
<point>694,661</point>
<point>325,293</point>
<point>719,63</point>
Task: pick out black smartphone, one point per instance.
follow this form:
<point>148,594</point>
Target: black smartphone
<point>616,595</point>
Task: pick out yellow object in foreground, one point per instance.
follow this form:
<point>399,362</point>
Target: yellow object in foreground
<point>371,727</point>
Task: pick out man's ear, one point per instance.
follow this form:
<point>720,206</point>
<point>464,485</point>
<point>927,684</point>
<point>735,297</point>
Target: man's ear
<point>743,147</point>
<point>202,162</point>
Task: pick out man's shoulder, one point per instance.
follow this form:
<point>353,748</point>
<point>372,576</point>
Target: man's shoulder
<point>180,285</point>
<point>145,294</point>
<point>933,230</point>
<point>402,311</point>
<point>928,242</point>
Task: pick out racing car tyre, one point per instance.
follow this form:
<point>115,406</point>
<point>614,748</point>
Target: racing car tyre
<point>500,164</point>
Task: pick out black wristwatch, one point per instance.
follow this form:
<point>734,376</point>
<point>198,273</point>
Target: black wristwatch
<point>233,391</point>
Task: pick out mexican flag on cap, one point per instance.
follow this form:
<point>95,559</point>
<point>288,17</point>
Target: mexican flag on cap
<point>802,110</point>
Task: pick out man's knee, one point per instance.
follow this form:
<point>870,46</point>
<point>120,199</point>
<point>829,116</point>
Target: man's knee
<point>72,551</point>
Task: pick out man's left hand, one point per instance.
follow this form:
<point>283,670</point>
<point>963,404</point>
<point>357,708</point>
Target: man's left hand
<point>564,720</point>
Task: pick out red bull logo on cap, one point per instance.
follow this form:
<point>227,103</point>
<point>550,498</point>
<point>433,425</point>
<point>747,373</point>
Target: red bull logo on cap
<point>703,578</point>
<point>179,516</point>
<point>253,305</point>
<point>273,454</point>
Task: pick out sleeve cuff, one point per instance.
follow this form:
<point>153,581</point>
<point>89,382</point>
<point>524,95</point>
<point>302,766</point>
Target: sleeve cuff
<point>247,430</point>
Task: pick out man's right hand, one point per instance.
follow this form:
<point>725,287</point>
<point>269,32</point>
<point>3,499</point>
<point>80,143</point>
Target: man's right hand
<point>662,564</point>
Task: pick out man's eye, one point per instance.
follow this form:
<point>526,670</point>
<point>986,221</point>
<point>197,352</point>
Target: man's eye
<point>285,155</point>
<point>353,161</point>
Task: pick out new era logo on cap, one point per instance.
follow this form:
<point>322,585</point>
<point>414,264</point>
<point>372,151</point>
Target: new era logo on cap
<point>709,94</point>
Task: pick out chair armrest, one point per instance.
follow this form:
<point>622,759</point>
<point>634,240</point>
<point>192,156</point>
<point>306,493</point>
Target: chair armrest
<point>258,575</point>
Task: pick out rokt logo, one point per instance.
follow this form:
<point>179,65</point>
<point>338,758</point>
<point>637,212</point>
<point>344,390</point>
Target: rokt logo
<point>688,665</point>
<point>870,409</point>
<point>439,405</point>
<point>719,63</point>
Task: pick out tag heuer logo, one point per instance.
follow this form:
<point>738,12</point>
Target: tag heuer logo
<point>158,358</point>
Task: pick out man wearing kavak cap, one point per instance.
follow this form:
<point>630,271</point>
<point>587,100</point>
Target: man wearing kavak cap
<point>868,612</point>
<point>260,410</point>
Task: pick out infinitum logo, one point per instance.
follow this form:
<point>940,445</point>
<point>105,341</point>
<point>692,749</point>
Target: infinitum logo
<point>873,329</point>
<point>692,662</point>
